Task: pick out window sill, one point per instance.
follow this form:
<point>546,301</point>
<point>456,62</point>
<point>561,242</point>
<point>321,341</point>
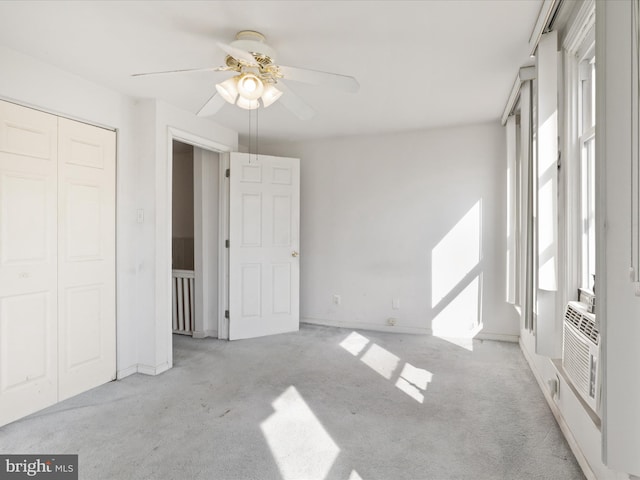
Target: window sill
<point>557,364</point>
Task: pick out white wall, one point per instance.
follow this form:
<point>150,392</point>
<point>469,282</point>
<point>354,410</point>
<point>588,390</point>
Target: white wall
<point>143,174</point>
<point>206,184</point>
<point>380,221</point>
<point>619,308</point>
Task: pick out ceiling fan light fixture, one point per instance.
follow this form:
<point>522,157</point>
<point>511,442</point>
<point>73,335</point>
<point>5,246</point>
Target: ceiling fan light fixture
<point>270,95</point>
<point>247,104</point>
<point>228,89</point>
<point>250,87</point>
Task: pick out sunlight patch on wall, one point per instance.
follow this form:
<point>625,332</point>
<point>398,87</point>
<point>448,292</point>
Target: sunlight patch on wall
<point>456,255</point>
<point>300,445</point>
<point>461,319</point>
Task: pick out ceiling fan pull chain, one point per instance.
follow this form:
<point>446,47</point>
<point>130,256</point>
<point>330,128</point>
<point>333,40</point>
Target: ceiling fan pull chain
<point>253,134</point>
<point>250,127</point>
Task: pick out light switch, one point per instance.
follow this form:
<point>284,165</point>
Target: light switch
<point>140,215</point>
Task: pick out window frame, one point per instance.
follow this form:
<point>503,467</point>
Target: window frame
<point>586,247</point>
<point>578,46</point>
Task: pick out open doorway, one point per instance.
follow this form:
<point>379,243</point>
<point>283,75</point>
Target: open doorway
<point>198,267</point>
<point>182,241</point>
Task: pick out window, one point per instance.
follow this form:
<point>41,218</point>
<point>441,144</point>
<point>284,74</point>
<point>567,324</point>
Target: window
<point>586,131</point>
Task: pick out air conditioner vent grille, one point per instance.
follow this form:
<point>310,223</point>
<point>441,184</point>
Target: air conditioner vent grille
<point>582,323</point>
<point>576,359</point>
<point>580,353</point>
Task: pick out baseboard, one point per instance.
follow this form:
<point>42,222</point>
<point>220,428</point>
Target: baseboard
<point>141,368</point>
<point>568,434</point>
<point>205,334</point>
<point>499,337</point>
<point>400,329</point>
<point>150,370</point>
<point>366,326</point>
<point>120,374</point>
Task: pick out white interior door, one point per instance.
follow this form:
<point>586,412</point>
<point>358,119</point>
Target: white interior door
<point>86,275</point>
<point>264,269</point>
<point>28,256</point>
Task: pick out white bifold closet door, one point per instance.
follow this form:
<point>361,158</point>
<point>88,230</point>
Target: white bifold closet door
<point>57,259</point>
<point>28,261</point>
<point>86,257</point>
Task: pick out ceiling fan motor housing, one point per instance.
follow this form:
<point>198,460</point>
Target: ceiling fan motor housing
<point>254,42</point>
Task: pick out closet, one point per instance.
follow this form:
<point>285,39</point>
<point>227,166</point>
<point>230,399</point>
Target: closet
<point>57,259</point>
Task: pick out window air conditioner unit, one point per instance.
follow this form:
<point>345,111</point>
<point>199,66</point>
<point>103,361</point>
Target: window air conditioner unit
<point>581,352</point>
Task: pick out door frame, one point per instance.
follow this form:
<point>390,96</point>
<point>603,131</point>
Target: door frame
<point>223,230</point>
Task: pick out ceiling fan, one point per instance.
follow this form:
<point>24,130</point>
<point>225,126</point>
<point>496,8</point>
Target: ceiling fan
<point>256,75</point>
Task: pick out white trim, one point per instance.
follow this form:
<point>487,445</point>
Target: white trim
<point>512,215</point>
<point>166,203</point>
<point>547,9</point>
<point>570,181</point>
<point>524,74</point>
<point>120,374</point>
<point>585,20</point>
<point>601,238</point>
<point>365,326</point>
<point>150,370</point>
<point>57,113</point>
<point>568,434</point>
<point>196,141</point>
<point>205,334</point>
<point>500,337</point>
<point>223,251</point>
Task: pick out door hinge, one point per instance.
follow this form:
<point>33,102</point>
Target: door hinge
<point>227,173</point>
<point>226,244</point>
<point>226,314</point>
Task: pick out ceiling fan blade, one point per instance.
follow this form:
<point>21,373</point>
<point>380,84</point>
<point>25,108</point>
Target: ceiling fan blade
<point>213,105</point>
<point>238,53</point>
<point>315,77</point>
<point>294,103</point>
<point>187,70</point>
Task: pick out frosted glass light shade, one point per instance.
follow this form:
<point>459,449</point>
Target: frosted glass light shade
<point>228,89</point>
<point>270,95</point>
<point>247,104</point>
<point>250,86</point>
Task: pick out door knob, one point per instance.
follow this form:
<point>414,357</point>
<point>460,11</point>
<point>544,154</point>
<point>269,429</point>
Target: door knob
<point>295,254</point>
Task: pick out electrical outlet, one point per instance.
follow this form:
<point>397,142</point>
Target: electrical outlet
<point>337,300</point>
<point>392,321</point>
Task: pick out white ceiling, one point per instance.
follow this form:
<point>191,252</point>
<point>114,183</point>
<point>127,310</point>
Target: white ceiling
<point>420,64</point>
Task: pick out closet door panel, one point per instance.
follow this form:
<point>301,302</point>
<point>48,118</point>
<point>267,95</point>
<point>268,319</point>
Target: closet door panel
<point>28,261</point>
<point>86,210</point>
